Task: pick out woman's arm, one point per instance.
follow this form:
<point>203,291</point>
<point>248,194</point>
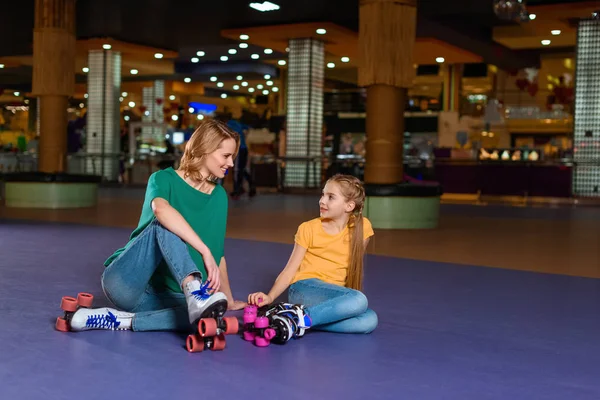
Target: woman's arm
<point>283,280</point>
<point>171,219</point>
<point>226,288</point>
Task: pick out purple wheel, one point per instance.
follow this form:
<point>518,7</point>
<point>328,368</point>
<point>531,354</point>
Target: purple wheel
<point>261,322</point>
<point>269,333</point>
<point>261,342</point>
<point>249,336</point>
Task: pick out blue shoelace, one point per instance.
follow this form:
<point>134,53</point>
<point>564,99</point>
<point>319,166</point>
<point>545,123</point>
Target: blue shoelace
<point>102,321</point>
<point>202,293</point>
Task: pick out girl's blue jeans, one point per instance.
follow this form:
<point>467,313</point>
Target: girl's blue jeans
<point>334,308</point>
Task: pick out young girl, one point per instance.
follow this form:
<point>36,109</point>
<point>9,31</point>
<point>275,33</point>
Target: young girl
<point>166,277</point>
<point>325,270</point>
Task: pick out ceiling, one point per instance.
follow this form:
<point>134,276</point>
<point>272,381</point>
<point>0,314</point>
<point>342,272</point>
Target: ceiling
<point>461,31</point>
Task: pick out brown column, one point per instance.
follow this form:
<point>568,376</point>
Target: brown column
<point>53,77</point>
<point>386,41</point>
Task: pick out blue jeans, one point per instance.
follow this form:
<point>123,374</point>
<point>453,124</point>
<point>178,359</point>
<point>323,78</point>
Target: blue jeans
<point>334,308</point>
<point>126,280</point>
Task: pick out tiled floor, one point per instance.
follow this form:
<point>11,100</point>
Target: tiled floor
<point>554,240</point>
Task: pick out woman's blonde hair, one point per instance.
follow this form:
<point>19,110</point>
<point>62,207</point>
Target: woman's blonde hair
<point>353,191</point>
<point>206,139</point>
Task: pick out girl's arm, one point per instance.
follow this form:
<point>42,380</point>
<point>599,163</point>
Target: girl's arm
<point>174,222</point>
<point>226,288</point>
<point>283,280</point>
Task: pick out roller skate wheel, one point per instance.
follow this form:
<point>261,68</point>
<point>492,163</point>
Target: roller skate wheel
<point>261,322</point>
<point>85,300</point>
<point>62,324</point>
<point>250,310</point>
<point>207,327</point>
<point>194,344</point>
<point>232,325</point>
<point>219,343</point>
<point>249,336</point>
<point>261,342</point>
<point>249,318</point>
<point>269,333</point>
<point>69,304</point>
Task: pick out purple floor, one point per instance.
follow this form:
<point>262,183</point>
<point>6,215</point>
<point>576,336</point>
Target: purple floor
<point>446,332</point>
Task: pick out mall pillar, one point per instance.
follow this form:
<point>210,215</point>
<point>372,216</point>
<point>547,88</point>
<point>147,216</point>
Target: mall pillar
<point>387,30</point>
<point>154,111</point>
<point>304,139</point>
<point>53,78</point>
<point>586,130</point>
<point>452,87</point>
<point>103,117</point>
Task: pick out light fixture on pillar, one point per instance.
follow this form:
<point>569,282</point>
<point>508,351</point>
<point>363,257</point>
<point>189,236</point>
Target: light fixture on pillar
<point>158,55</point>
<point>106,46</point>
<point>134,72</point>
<point>264,6</point>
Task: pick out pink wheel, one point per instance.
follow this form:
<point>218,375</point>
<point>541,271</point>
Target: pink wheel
<point>249,318</point>
<point>249,336</point>
<point>232,325</point>
<point>85,300</point>
<point>261,342</point>
<point>261,322</point>
<point>194,344</point>
<point>250,310</point>
<point>269,333</point>
<point>68,304</point>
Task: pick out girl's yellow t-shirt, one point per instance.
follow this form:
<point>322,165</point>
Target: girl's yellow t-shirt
<point>327,256</point>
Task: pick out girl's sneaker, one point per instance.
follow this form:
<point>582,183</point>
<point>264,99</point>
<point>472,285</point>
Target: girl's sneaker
<point>85,319</point>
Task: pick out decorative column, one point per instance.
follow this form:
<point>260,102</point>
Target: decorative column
<point>306,70</point>
<point>586,132</point>
<point>53,78</point>
<point>386,40</point>
<point>153,111</point>
<point>452,87</point>
<point>103,117</point>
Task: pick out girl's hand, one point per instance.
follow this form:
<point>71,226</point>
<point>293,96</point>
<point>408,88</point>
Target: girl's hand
<point>236,305</point>
<point>259,299</point>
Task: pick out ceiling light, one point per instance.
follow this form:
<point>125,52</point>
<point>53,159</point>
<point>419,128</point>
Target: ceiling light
<point>243,45</point>
<point>17,94</point>
<point>321,31</point>
<point>267,76</point>
<point>255,56</point>
<point>187,80</point>
<point>236,87</point>
<point>174,117</point>
<point>269,83</point>
<point>124,94</point>
<point>244,84</point>
<point>259,86</point>
<point>555,32</point>
<point>251,90</point>
<point>106,46</point>
<point>440,59</point>
<point>224,95</point>
<point>281,62</point>
<point>200,116</point>
<point>134,72</point>
<point>191,110</point>
<point>239,77</point>
<point>213,78</point>
<point>268,51</point>
<point>224,58</point>
<point>158,55</point>
<point>220,84</point>
<point>172,97</point>
<point>275,89</point>
<point>126,118</point>
<point>131,104</point>
<point>232,51</point>
<point>345,59</point>
<point>86,95</point>
<point>244,37</point>
<point>1,66</point>
<point>330,65</point>
<point>264,6</point>
<point>546,42</point>
<point>195,59</point>
<point>200,53</point>
<point>85,69</point>
<point>532,16</point>
<point>265,92</point>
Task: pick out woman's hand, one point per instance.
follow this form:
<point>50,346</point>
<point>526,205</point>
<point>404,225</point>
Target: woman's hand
<point>259,299</point>
<point>214,277</point>
<point>235,305</point>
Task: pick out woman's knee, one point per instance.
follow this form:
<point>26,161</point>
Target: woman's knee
<point>115,291</point>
